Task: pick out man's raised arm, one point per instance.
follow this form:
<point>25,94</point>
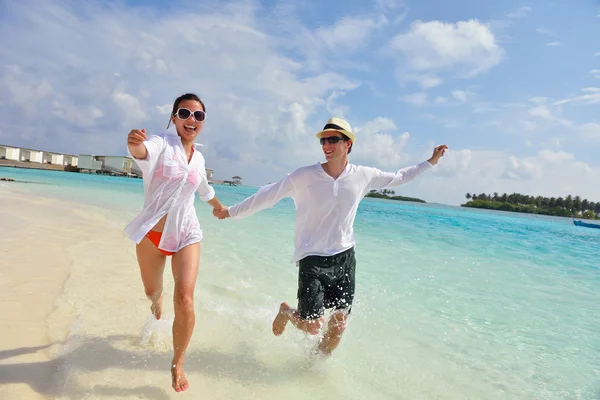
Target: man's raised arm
<point>381,179</point>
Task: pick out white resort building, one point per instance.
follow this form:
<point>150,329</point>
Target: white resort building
<point>23,154</point>
<point>87,163</point>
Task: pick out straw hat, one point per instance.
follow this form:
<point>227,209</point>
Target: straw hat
<point>338,125</point>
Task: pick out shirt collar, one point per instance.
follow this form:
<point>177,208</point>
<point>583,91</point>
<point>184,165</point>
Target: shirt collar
<point>173,132</point>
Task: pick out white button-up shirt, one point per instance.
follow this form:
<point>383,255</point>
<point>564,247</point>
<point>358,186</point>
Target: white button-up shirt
<point>170,183</point>
<point>325,207</point>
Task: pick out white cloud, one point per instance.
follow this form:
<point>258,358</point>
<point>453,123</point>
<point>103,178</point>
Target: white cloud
<point>349,32</point>
<point>590,131</point>
<point>165,109</point>
<point>521,12</point>
<point>597,54</point>
<point>460,95</point>
<point>424,80</point>
<point>393,9</point>
<point>416,99</point>
<point>595,73</point>
<point>335,108</point>
<point>441,100</point>
<point>378,146</point>
<point>550,114</point>
<point>465,49</point>
<point>538,100</point>
<point>551,35</point>
<point>541,112</point>
<point>131,109</point>
<point>591,96</point>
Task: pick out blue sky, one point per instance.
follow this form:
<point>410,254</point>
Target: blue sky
<point>513,88</point>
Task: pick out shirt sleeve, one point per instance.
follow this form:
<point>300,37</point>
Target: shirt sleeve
<point>380,179</point>
<point>205,191</point>
<point>266,197</point>
<point>154,145</point>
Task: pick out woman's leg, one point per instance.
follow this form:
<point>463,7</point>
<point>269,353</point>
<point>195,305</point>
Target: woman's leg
<point>152,265</point>
<point>185,270</point>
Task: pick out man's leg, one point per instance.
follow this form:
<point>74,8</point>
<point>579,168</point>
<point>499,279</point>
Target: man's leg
<point>339,296</point>
<point>309,316</point>
<point>287,313</point>
<point>335,329</point>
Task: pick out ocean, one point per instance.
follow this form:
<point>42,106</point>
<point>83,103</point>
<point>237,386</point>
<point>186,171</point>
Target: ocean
<point>451,303</point>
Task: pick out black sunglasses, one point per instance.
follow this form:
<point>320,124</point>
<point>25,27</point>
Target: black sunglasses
<point>184,113</point>
<point>331,139</point>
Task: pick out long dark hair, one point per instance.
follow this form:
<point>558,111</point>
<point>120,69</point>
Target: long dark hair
<point>187,96</point>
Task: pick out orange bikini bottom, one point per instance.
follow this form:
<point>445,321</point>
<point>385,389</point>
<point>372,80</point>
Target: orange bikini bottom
<point>154,237</point>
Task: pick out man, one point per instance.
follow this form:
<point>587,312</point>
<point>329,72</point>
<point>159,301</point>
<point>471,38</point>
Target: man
<point>327,197</point>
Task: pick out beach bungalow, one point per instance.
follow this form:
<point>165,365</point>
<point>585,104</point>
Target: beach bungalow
<point>118,163</point>
<point>47,157</point>
<point>70,160</point>
<point>31,155</point>
<point>55,158</point>
<point>10,153</point>
<point>90,162</point>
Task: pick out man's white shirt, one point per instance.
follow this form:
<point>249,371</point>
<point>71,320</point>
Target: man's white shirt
<point>325,207</point>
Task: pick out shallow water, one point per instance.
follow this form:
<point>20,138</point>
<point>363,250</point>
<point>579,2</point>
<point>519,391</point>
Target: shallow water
<point>451,303</point>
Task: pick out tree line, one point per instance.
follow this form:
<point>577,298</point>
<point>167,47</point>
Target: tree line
<point>390,195</point>
<point>565,207</point>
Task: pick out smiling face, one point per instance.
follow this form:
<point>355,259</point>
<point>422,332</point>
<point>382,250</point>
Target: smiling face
<point>188,128</point>
<point>335,151</point>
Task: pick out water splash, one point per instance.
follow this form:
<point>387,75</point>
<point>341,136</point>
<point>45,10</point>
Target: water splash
<point>157,335</point>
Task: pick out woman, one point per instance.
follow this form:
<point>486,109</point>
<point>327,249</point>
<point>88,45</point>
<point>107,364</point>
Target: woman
<point>173,170</point>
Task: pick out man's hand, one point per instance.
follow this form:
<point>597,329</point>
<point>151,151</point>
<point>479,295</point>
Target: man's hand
<point>221,213</point>
<point>438,153</point>
<point>135,141</point>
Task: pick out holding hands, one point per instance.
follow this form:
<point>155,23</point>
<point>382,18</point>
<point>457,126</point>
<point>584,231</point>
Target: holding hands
<point>221,213</point>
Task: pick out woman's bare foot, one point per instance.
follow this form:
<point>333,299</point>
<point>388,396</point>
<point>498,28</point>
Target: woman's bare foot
<point>156,306</point>
<point>180,382</point>
<point>281,319</point>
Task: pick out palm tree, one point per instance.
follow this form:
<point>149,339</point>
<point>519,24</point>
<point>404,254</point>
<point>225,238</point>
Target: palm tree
<point>577,204</point>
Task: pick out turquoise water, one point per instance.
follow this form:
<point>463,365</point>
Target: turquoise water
<point>451,303</point>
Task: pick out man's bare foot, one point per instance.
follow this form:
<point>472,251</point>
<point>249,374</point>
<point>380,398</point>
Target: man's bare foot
<point>281,319</point>
<point>156,306</point>
<point>180,382</point>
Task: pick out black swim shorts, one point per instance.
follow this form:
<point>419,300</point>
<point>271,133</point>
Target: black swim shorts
<point>326,282</point>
